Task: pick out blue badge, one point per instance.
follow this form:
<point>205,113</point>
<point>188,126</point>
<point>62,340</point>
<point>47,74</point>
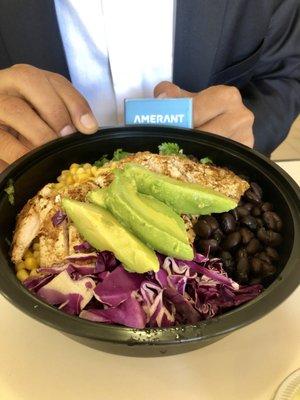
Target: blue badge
<point>171,112</point>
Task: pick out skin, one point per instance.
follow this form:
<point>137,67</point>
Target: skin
<point>37,106</point>
<point>218,109</point>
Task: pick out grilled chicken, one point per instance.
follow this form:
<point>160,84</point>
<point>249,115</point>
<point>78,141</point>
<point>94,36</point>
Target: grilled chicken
<point>56,243</point>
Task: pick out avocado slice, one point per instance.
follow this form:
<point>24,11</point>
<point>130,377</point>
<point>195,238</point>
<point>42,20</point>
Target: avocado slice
<point>151,226</point>
<point>97,197</point>
<point>183,197</point>
<point>150,209</point>
<point>99,227</point>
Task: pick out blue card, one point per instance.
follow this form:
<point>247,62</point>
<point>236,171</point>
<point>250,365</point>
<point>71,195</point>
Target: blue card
<point>170,112</point>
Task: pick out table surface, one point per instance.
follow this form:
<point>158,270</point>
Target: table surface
<point>37,362</point>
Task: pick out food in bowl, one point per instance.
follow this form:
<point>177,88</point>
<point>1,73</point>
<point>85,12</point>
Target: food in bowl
<point>125,242</point>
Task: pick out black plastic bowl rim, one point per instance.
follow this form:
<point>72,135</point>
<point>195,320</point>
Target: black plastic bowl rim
<point>275,294</point>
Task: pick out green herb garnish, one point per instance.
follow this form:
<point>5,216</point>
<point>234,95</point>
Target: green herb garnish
<point>10,190</point>
<point>119,154</point>
<point>206,160</point>
<point>167,149</point>
<point>103,160</point>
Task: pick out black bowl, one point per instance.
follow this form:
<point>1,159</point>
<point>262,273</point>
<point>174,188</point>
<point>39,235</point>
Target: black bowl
<point>41,166</point>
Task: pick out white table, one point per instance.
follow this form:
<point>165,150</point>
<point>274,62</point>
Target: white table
<point>37,362</point>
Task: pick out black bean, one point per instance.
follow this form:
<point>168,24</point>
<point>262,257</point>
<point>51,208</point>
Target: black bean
<point>268,269</point>
<point>266,207</point>
<point>218,235</point>
<point>246,235</point>
<point>256,211</point>
<point>241,253</point>
<point>212,221</point>
<point>231,241</point>
<point>227,259</point>
<point>255,281</point>
<point>272,253</point>
<point>270,238</point>
<point>272,220</point>
<point>235,214</point>
<point>253,246</point>
<point>252,196</point>
<point>256,266</point>
<point>256,189</point>
<point>259,222</point>
<point>242,269</point>
<point>203,229</point>
<point>249,206</point>
<point>263,256</point>
<point>242,211</point>
<point>208,245</point>
<point>250,222</point>
<point>241,202</point>
<point>227,223</point>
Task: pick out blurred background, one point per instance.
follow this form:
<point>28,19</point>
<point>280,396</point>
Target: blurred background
<point>290,148</point>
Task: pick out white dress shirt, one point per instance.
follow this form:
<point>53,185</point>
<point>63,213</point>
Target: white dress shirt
<point>116,49</point>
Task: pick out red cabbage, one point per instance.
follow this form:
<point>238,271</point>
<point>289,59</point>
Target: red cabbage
<point>58,218</point>
<point>129,313</point>
<point>96,287</point>
<point>117,287</point>
<point>83,247</point>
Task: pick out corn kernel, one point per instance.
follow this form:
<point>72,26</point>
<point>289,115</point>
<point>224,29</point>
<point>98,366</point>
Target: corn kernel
<point>33,272</point>
<point>36,246</point>
<point>80,170</point>
<point>94,171</point>
<point>19,266</point>
<point>73,170</point>
<point>76,178</point>
<point>87,166</point>
<point>22,275</point>
<point>59,179</point>
<point>28,253</point>
<point>83,177</point>
<point>31,263</point>
<point>65,172</point>
<point>59,185</point>
<point>74,165</point>
<point>69,180</point>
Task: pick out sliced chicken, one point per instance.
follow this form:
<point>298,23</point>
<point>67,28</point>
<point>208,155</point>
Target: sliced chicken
<point>220,179</point>
<point>56,243</point>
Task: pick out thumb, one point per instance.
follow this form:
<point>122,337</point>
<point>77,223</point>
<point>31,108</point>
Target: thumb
<point>167,89</point>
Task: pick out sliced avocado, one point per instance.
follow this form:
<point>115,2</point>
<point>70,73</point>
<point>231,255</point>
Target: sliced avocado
<point>151,226</point>
<point>152,210</point>
<point>183,197</point>
<point>97,197</point>
<point>99,227</point>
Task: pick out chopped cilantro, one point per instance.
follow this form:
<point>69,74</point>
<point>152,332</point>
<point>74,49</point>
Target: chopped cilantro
<point>167,149</point>
<point>103,160</point>
<point>10,190</point>
<point>206,160</point>
<point>119,154</point>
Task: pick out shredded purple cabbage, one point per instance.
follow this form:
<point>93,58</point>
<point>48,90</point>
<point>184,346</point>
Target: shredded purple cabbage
<point>95,286</point>
<point>58,218</point>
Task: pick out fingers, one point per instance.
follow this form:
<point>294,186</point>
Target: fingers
<point>236,124</point>
<point>32,84</point>
<point>18,115</point>
<point>79,109</point>
<point>3,166</point>
<point>207,104</point>
<point>11,149</point>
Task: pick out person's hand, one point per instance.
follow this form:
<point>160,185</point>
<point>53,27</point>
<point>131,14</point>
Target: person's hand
<point>218,109</point>
<point>37,106</point>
